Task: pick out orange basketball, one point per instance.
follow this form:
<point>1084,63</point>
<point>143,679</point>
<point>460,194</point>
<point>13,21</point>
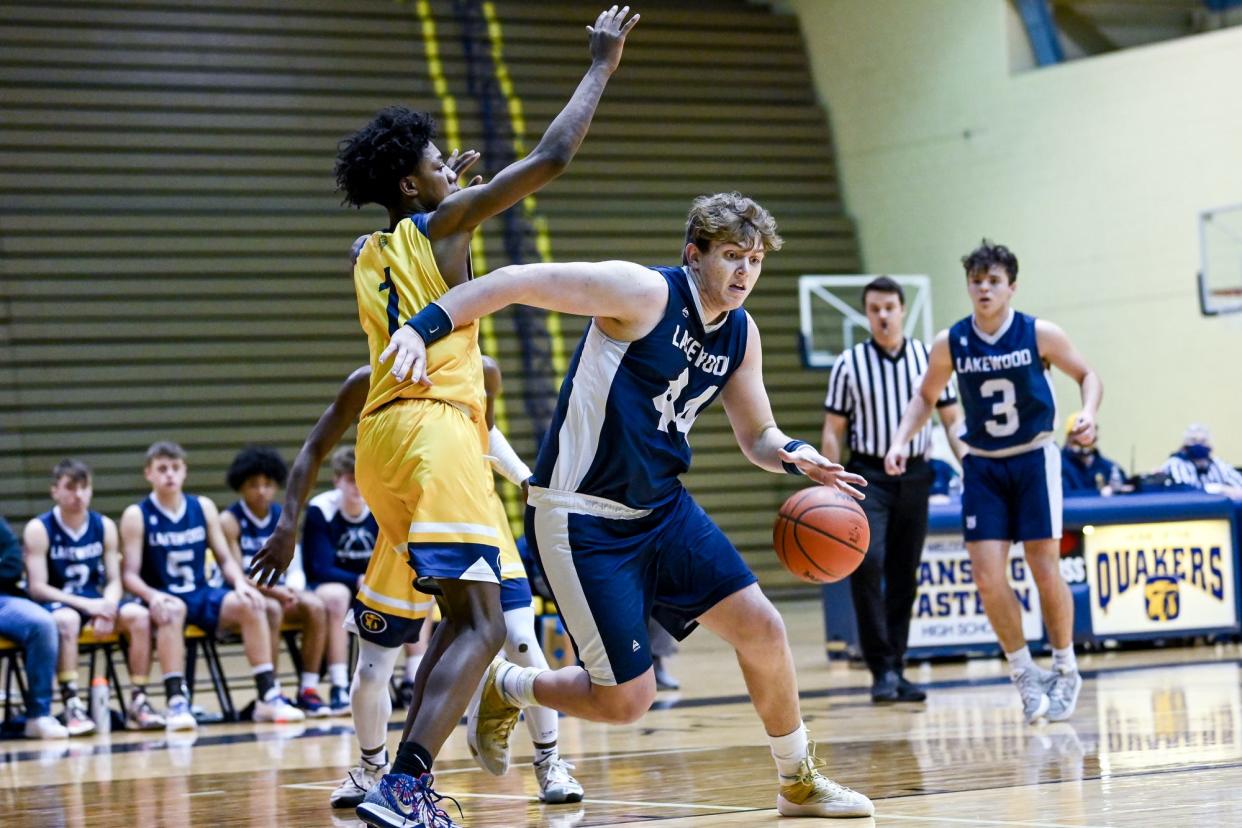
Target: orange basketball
<point>821,534</point>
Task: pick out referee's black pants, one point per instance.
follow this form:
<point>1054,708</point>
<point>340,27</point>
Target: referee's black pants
<point>885,585</point>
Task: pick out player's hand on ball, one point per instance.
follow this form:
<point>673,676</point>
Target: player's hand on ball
<point>411,356</point>
<point>895,461</point>
<point>608,36</point>
<point>823,471</point>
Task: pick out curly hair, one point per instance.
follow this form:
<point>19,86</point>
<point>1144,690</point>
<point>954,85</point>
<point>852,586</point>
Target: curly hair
<point>730,217</point>
<point>370,162</point>
<point>253,461</point>
<point>981,259</point>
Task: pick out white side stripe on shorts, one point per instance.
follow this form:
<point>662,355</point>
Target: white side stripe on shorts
<point>394,602</point>
<point>454,529</point>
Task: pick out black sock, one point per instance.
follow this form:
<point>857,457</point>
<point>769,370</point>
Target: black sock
<point>68,690</point>
<point>264,682</point>
<point>174,685</point>
<point>412,759</point>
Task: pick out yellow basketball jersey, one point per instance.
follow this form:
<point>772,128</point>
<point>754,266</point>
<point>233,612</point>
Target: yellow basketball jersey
<point>396,276</point>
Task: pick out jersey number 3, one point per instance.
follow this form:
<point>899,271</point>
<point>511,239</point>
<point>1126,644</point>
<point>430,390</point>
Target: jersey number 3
<point>666,404</point>
<point>1004,420</point>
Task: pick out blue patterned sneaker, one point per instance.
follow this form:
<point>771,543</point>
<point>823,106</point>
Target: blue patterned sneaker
<point>401,801</point>
<point>338,701</point>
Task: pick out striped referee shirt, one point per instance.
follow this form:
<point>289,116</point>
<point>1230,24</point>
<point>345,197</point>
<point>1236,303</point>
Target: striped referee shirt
<point>1186,472</point>
<point>871,389</point>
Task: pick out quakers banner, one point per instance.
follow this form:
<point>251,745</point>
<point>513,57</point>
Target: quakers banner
<point>1158,577</point>
<point>948,609</point>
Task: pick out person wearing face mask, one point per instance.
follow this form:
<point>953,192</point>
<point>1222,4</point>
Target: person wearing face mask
<point>1083,469</point>
<point>1193,465</point>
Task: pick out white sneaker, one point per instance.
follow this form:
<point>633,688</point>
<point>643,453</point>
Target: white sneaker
<point>1063,693</point>
<point>279,710</point>
<point>556,784</point>
<point>77,719</point>
<point>1032,684</point>
<point>811,794</point>
<point>179,716</point>
<point>358,780</point>
<point>45,727</point>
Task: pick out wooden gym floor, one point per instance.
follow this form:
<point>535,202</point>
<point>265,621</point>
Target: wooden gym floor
<point>1155,741</point>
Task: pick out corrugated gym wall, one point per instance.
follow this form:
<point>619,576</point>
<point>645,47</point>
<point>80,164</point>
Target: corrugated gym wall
<point>174,257</point>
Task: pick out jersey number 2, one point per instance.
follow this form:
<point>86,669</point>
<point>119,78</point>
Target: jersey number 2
<point>1004,419</point>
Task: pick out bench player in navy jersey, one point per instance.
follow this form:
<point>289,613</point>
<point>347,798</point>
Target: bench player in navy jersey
<point>164,540</point>
<point>338,539</point>
<point>618,537</point>
<point>1011,474</point>
<point>73,566</point>
<point>256,473</point>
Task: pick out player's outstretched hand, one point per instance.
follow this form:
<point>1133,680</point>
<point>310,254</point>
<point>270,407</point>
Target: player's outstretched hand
<point>411,356</point>
<point>274,558</point>
<point>460,162</point>
<point>895,461</point>
<point>823,471</point>
<point>608,36</point>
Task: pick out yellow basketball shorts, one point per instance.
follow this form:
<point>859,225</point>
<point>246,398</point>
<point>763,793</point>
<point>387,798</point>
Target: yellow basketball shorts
<point>387,609</point>
<point>420,467</point>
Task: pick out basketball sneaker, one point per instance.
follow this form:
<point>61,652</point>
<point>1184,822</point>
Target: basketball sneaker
<point>556,785</point>
<point>310,703</point>
<point>141,715</point>
<point>45,727</point>
<point>1032,684</point>
<point>279,710</point>
<point>811,794</point>
<point>489,721</point>
<point>179,716</point>
<point>338,701</point>
<point>401,801</point>
<point>358,780</point>
<point>77,719</point>
<point>1063,693</point>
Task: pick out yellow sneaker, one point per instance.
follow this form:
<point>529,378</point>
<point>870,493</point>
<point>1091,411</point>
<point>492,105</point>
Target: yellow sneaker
<point>490,720</point>
<point>811,794</point>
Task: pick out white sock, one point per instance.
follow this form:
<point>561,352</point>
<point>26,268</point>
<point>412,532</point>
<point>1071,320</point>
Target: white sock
<point>338,675</point>
<point>370,704</point>
<point>376,760</point>
<point>310,681</point>
<point>789,751</point>
<point>517,684</point>
<point>522,648</point>
<point>1020,660</point>
<point>1064,660</point>
<point>411,666</point>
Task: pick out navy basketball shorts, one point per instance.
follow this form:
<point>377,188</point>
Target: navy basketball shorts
<point>611,568</point>
<point>1014,498</point>
<point>382,628</point>
<point>52,606</point>
<point>515,594</point>
<point>202,607</point>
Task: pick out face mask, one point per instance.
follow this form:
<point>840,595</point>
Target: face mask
<point>1081,450</point>
<point>1198,451</point>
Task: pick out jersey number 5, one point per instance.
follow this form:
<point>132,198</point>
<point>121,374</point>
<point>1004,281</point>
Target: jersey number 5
<point>180,572</point>
<point>1004,419</point>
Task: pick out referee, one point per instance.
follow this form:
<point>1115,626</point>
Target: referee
<point>869,388</point>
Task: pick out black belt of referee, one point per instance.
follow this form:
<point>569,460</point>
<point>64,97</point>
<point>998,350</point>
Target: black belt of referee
<point>875,464</point>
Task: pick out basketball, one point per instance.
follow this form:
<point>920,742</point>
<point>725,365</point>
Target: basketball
<point>821,534</point>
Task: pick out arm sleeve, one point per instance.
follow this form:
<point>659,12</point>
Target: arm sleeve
<point>319,553</point>
<point>839,400</point>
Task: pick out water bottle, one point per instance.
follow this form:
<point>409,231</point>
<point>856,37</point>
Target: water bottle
<point>100,710</point>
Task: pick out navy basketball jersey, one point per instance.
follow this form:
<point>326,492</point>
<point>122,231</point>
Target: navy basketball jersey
<point>254,532</point>
<point>350,539</point>
<point>625,408</point>
<point>174,546</point>
<point>75,561</point>
<point>1004,385</point>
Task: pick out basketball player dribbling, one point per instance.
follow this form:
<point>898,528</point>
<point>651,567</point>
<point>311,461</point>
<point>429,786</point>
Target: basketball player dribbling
<point>420,449</point>
<point>1011,473</point>
<point>619,539</point>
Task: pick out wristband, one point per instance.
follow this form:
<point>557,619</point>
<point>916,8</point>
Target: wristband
<point>791,447</point>
<point>431,323</point>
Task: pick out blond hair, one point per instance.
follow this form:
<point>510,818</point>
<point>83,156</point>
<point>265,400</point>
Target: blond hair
<point>731,218</point>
